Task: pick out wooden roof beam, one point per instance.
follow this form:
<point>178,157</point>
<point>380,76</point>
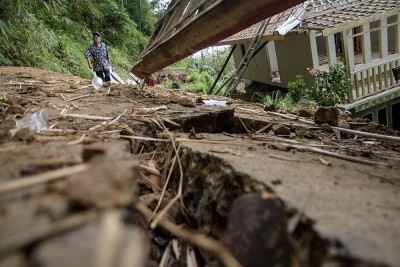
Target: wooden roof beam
<point>222,20</point>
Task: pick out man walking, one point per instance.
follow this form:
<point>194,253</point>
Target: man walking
<point>98,52</point>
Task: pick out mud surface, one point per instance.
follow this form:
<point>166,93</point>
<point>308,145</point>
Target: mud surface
<point>320,210</point>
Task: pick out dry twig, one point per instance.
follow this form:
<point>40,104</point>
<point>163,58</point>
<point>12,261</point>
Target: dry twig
<point>76,98</point>
<point>33,180</point>
<point>201,241</point>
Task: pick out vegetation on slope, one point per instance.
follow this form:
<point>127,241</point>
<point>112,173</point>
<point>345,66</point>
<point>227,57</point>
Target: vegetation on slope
<point>54,34</point>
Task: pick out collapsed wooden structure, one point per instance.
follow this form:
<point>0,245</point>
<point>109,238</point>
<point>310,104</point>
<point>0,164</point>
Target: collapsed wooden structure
<point>191,25</point>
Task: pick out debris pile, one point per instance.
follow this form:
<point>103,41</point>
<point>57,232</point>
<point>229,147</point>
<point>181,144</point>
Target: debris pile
<point>121,178</point>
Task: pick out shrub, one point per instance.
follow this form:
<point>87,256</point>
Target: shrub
<point>201,81</point>
<point>297,88</point>
<point>329,88</point>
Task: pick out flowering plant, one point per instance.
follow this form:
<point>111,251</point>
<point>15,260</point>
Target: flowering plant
<point>329,88</point>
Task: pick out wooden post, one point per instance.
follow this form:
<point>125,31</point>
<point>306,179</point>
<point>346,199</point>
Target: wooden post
<point>314,49</point>
<point>349,48</point>
<point>356,84</point>
<point>374,78</point>
<point>366,43</point>
<point>383,39</point>
<point>369,81</point>
<point>362,83</point>
<point>397,34</point>
<point>385,77</point>
<point>349,57</point>
<point>380,77</point>
<point>330,44</point>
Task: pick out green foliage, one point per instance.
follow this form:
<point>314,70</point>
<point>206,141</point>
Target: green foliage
<point>307,105</point>
<point>54,34</point>
<point>201,81</point>
<point>283,102</point>
<point>3,98</point>
<point>329,88</point>
<point>296,88</point>
<point>171,84</point>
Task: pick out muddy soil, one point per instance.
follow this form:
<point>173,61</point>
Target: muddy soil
<point>114,150</point>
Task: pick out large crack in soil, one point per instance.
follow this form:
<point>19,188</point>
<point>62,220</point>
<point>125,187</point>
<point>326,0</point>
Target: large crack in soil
<point>210,189</point>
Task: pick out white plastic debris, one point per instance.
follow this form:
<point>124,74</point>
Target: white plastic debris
<point>97,82</point>
<point>214,103</point>
<point>36,121</point>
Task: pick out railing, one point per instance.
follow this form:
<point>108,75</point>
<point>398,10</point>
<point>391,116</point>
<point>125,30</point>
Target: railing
<point>373,79</point>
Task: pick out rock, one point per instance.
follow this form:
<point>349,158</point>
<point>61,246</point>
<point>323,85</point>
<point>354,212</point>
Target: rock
<point>257,232</point>
<point>73,86</point>
<point>344,124</point>
<point>107,183</point>
<point>280,129</point>
<point>328,115</point>
<point>270,108</point>
<point>199,100</point>
<point>304,113</point>
<point>276,182</point>
<point>106,243</point>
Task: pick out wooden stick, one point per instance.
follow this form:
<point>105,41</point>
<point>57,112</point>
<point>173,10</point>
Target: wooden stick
<point>75,106</point>
<point>244,125</point>
<point>201,241</point>
<point>266,127</point>
<point>76,98</point>
<point>184,140</point>
<point>63,97</point>
<point>33,180</point>
<point>87,117</point>
<point>77,142</point>
<point>336,155</point>
<point>150,170</point>
<point>295,118</point>
<point>153,225</point>
<point>118,117</point>
<point>22,240</point>
<point>368,135</point>
<point>164,188</point>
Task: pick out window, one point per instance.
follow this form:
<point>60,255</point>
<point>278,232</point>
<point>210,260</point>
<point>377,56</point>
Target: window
<point>392,34</point>
<point>375,39</point>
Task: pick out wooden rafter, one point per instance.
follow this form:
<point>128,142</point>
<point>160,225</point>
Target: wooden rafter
<point>191,25</point>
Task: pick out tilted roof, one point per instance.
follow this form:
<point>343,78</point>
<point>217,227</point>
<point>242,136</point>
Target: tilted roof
<point>322,15</point>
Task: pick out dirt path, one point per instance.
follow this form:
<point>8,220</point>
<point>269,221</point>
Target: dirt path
<point>354,206</point>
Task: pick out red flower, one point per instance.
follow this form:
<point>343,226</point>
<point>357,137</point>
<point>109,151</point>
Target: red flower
<point>313,72</point>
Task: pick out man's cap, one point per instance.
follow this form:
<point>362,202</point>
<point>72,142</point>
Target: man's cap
<point>96,33</point>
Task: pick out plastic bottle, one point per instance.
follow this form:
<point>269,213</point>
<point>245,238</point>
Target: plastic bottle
<point>36,121</point>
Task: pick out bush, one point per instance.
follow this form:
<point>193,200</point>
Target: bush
<point>329,88</point>
<point>201,81</point>
<point>297,88</point>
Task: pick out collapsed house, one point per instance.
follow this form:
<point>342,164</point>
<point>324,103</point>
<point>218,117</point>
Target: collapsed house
<point>364,35</point>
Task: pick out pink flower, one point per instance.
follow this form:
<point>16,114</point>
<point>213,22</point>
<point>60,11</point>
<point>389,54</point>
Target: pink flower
<point>313,72</point>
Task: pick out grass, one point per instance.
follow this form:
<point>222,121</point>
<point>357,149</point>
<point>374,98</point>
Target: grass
<point>284,103</point>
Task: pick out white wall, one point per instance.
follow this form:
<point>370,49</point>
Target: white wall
<point>258,69</point>
<point>294,57</point>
